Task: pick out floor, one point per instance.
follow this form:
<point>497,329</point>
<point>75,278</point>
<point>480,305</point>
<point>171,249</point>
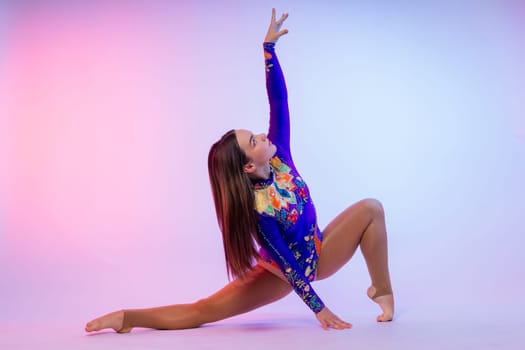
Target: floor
<point>418,328</point>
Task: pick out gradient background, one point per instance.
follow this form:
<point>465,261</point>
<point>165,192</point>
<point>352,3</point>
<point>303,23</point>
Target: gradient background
<point>108,112</point>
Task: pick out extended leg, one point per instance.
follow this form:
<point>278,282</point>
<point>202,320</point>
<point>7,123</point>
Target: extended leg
<point>362,224</point>
<point>259,288</point>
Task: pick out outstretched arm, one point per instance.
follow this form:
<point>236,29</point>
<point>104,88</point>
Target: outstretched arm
<point>279,132</point>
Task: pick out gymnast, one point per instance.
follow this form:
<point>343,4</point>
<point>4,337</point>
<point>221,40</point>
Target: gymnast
<point>272,242</point>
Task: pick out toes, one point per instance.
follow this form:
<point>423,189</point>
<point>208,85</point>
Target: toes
<point>92,326</point>
<point>384,318</point>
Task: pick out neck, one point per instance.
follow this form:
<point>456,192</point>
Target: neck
<point>263,172</point>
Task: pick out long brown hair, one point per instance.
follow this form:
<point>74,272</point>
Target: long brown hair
<point>234,203</point>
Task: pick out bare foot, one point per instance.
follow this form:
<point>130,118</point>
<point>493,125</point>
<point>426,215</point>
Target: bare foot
<point>113,320</point>
<point>386,302</point>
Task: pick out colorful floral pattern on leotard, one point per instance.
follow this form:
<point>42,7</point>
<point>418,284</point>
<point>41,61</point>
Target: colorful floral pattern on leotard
<point>287,223</point>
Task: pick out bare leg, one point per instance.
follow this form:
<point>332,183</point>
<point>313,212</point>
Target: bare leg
<point>259,288</point>
<point>362,224</point>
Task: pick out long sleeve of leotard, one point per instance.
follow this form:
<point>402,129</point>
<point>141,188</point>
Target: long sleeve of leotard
<point>279,132</point>
<point>274,244</point>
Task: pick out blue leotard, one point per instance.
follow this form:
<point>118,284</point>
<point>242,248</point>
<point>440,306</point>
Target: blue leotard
<point>287,223</point>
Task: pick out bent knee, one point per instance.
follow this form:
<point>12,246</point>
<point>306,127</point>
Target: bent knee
<point>373,205</point>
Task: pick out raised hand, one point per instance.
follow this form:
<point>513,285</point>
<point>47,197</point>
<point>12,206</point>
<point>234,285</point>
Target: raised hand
<point>329,320</point>
<point>274,30</point>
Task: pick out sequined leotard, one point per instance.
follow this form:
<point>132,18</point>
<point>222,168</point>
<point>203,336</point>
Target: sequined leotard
<point>287,223</point>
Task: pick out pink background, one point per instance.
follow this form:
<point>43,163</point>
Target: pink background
<point>108,112</point>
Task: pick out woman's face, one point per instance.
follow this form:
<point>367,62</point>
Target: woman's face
<point>258,148</point>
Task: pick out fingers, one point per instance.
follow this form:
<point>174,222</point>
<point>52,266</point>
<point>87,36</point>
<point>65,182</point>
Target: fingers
<point>329,320</point>
<point>283,32</point>
<point>280,21</point>
<point>336,324</point>
<point>274,30</point>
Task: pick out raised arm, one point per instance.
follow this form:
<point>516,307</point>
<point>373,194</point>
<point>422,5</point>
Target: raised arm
<point>279,132</point>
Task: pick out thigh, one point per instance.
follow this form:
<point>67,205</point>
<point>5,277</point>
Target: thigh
<point>342,236</point>
<point>258,288</point>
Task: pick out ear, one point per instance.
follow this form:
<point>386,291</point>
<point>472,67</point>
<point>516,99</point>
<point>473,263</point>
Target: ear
<point>250,168</point>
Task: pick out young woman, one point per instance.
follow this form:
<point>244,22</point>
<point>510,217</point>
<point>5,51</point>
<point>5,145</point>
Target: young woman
<point>261,200</point>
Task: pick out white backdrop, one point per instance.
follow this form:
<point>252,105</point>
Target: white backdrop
<point>110,111</point>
